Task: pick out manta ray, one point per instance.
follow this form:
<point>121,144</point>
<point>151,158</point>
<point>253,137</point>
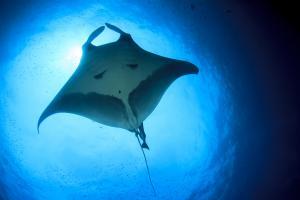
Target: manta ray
<point>118,84</point>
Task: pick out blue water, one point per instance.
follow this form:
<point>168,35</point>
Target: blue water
<point>189,133</point>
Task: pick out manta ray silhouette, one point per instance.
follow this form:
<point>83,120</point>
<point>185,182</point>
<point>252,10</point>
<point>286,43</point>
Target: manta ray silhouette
<point>118,84</point>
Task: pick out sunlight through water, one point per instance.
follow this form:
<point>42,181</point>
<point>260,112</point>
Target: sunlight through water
<point>73,157</point>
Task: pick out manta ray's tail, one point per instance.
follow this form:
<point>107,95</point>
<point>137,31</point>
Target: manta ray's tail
<point>146,162</point>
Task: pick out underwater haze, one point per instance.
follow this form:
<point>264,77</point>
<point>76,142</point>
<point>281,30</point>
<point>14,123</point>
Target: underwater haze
<point>208,136</point>
<point>76,158</point>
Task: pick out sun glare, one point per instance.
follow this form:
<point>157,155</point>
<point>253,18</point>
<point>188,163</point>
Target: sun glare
<point>74,54</point>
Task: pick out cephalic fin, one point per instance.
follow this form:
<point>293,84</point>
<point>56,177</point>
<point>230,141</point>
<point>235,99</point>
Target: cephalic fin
<point>116,29</point>
<point>95,34</point>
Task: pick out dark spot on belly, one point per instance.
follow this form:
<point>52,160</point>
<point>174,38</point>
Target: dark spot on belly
<point>132,66</point>
<point>120,91</point>
<point>100,75</point>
